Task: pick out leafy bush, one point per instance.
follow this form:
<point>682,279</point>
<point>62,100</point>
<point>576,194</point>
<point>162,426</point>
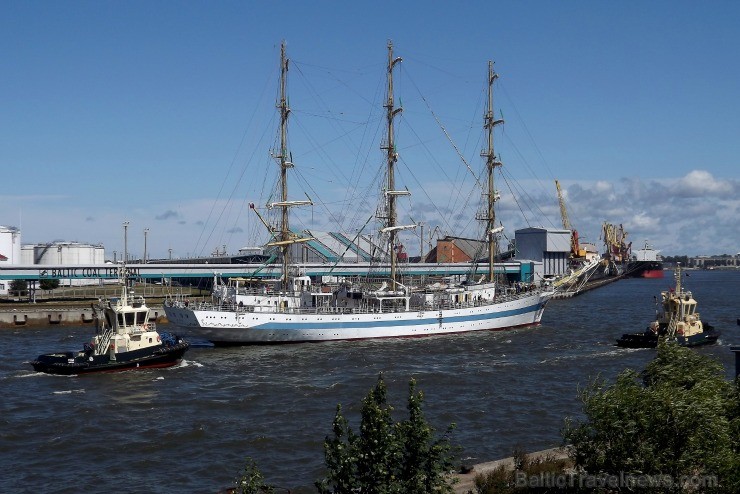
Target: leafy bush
<point>19,287</point>
<point>49,284</point>
<point>678,419</point>
<point>251,481</point>
<point>387,456</point>
<point>505,480</point>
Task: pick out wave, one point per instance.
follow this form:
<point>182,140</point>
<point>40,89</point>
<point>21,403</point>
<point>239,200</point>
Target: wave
<point>185,363</point>
<point>68,392</point>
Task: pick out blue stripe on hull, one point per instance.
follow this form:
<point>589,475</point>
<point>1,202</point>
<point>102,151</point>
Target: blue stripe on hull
<point>307,325</point>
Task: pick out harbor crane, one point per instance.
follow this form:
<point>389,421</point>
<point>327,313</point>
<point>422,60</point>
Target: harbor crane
<point>574,244</point>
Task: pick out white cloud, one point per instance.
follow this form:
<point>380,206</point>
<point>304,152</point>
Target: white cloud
<point>699,183</point>
<point>644,222</point>
<point>695,214</point>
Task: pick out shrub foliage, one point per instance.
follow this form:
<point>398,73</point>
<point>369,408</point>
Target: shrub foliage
<point>678,419</point>
<point>386,456</point>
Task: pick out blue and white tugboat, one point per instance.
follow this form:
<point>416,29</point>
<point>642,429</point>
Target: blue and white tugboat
<point>124,339</point>
<point>677,320</point>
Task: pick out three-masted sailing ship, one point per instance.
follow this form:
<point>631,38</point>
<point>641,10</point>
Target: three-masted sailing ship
<point>298,310</point>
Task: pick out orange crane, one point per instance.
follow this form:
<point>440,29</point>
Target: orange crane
<point>574,246</point>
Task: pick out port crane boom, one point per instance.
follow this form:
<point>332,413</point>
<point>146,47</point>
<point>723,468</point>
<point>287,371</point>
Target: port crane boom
<point>574,246</point>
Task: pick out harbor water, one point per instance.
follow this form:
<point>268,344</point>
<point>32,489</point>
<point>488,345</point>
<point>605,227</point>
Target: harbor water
<point>191,428</point>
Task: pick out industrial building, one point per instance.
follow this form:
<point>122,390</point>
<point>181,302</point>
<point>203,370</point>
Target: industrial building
<point>456,249</point>
<point>548,247</point>
<point>334,247</point>
<point>67,253</point>
<point>10,251</point>
<point>57,253</point>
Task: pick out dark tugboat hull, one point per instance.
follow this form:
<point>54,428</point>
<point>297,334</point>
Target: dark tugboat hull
<point>638,340</point>
<point>68,363</point>
<point>650,339</point>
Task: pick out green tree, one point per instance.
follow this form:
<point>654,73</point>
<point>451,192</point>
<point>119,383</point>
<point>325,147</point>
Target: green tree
<point>49,284</point>
<point>684,260</point>
<point>18,286</point>
<point>252,481</point>
<point>386,456</point>
<point>426,460</point>
<point>678,418</point>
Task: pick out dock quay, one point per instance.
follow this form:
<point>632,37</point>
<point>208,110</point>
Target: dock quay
<point>47,314</point>
<point>72,306</point>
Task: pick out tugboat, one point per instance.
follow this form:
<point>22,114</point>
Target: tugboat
<point>124,339</point>
<point>677,321</point>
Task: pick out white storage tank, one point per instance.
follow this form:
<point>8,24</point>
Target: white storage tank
<point>10,245</point>
<point>98,254</point>
<point>27,252</point>
<point>67,253</point>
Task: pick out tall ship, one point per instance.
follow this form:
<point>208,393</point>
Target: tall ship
<point>296,308</point>
<point>645,263</point>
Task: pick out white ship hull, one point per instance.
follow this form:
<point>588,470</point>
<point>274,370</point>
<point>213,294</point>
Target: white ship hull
<point>234,327</point>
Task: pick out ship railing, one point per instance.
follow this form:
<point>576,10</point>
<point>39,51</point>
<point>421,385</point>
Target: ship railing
<point>147,326</point>
<point>322,289</point>
<point>503,296</point>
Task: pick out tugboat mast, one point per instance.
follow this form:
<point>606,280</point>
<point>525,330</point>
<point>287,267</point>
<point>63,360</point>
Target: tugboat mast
<point>491,163</point>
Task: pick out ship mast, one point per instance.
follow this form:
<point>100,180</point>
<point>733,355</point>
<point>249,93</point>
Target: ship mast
<point>491,163</point>
<point>284,165</point>
<point>677,277</point>
<point>391,157</point>
<point>283,237</point>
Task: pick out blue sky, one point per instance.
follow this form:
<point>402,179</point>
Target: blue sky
<point>162,114</point>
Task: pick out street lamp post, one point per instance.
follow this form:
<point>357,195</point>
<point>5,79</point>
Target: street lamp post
<point>125,242</point>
